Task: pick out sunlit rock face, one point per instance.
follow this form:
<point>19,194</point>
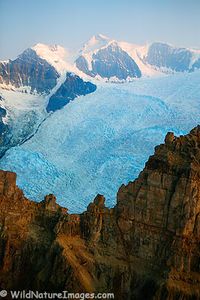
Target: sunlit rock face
<point>145,247</point>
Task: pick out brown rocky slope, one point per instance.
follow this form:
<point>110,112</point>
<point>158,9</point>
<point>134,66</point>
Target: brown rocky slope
<point>146,247</point>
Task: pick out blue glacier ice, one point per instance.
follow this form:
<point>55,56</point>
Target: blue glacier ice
<point>101,140</point>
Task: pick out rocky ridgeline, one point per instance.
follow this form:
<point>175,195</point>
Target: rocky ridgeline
<point>29,70</point>
<point>146,247</point>
<point>166,57</point>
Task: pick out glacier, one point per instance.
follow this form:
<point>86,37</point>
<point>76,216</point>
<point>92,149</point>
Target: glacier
<point>102,140</point>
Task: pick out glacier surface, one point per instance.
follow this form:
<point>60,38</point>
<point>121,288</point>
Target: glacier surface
<point>102,140</point>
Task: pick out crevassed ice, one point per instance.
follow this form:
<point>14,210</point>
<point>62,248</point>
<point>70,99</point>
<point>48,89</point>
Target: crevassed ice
<point>99,141</point>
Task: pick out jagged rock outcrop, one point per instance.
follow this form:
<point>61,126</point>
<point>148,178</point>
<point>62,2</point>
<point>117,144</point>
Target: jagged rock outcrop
<point>146,247</point>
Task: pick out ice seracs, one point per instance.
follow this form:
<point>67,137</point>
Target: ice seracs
<point>101,140</point>
<point>26,85</point>
<point>87,146</point>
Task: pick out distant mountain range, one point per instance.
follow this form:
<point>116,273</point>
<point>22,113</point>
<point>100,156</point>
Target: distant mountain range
<point>62,76</point>
<point>39,67</point>
<point>56,76</point>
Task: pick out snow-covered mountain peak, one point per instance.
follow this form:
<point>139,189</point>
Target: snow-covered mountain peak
<point>95,42</point>
<point>137,53</point>
<point>54,47</point>
<point>195,57</point>
<point>56,55</point>
<point>113,44</point>
<point>99,38</point>
<point>102,36</point>
<point>51,52</point>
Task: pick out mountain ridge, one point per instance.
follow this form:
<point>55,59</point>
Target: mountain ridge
<point>64,60</point>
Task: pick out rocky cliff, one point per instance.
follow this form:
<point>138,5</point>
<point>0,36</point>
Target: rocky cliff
<point>108,62</point>
<point>3,128</point>
<point>164,56</point>
<point>146,247</point>
<point>29,70</point>
<point>72,87</point>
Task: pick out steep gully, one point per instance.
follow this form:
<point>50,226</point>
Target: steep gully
<point>146,247</point>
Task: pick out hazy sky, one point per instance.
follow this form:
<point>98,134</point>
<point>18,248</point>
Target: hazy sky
<point>70,23</point>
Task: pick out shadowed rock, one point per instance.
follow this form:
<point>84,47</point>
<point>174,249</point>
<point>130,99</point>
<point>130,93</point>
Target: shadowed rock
<point>109,62</point>
<point>162,55</point>
<point>29,70</point>
<point>73,87</point>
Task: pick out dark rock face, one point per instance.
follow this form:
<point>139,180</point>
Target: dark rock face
<point>113,61</point>
<point>82,65</point>
<point>3,128</point>
<point>146,247</point>
<point>29,70</point>
<point>2,115</point>
<point>196,65</point>
<point>109,62</point>
<point>163,55</point>
<point>2,125</point>
<point>72,87</point>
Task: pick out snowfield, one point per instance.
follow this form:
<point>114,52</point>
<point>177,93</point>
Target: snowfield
<point>102,140</point>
